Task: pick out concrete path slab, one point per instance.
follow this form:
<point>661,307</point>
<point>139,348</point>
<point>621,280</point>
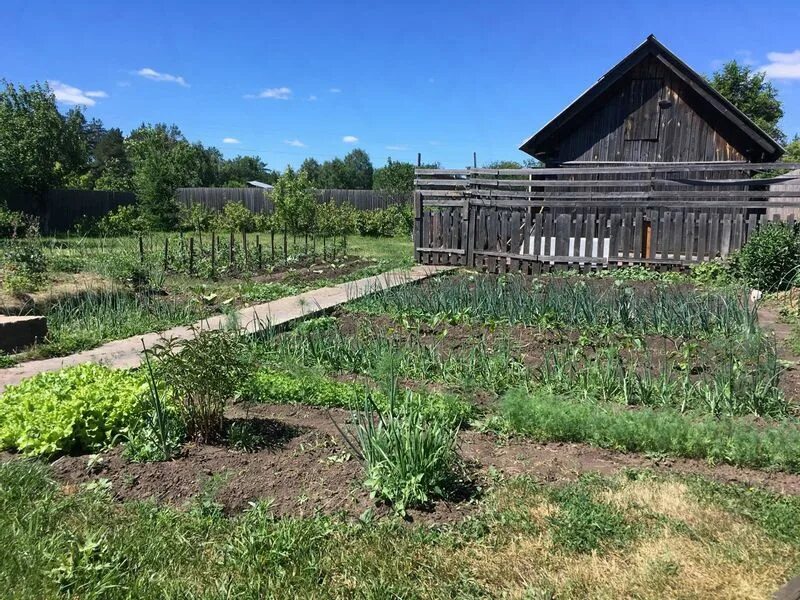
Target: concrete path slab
<point>127,353</point>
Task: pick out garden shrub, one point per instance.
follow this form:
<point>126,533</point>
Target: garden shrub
<point>76,409</point>
<point>720,271</point>
<point>22,265</point>
<point>195,217</point>
<point>385,222</point>
<point>235,216</point>
<point>770,258</point>
<point>200,374</point>
<point>125,220</point>
<point>15,224</point>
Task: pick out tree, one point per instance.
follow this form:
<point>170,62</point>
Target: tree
<point>793,150</point>
<point>503,164</point>
<point>236,172</point>
<point>395,177</point>
<point>39,147</point>
<point>162,161</point>
<point>750,92</point>
<point>312,169</point>
<point>354,172</point>
<point>295,203</point>
<point>110,168</point>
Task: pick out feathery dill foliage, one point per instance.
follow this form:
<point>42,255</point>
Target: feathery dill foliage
<point>666,309</point>
<point>721,379</point>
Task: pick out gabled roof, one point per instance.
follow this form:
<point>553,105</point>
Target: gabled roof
<point>652,47</point>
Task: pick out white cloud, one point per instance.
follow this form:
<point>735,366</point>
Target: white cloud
<point>295,143</point>
<point>349,139</point>
<point>397,147</point>
<point>783,65</point>
<point>281,93</point>
<point>312,98</point>
<point>230,140</point>
<point>69,94</point>
<point>335,91</point>
<point>154,75</point>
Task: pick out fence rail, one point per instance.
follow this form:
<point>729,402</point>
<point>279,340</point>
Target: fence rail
<point>258,200</point>
<point>669,215</point>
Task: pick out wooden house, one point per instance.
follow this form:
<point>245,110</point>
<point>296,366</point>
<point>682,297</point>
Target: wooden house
<point>651,107</point>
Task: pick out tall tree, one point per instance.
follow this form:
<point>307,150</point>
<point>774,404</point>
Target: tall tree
<point>110,168</point>
<point>793,150</point>
<point>312,169</point>
<point>359,169</point>
<point>39,147</point>
<point>396,177</point>
<point>237,171</point>
<point>750,92</point>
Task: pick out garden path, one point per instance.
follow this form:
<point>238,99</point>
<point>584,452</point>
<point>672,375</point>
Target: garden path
<point>127,353</point>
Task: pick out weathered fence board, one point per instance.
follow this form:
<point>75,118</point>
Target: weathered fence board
<point>62,210</point>
<point>543,219</point>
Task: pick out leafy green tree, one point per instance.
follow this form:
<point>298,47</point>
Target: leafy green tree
<point>39,147</point>
<point>353,172</point>
<point>793,150</point>
<point>237,171</point>
<point>750,92</point>
<point>110,167</point>
<point>503,164</point>
<point>295,202</point>
<point>312,169</point>
<point>395,177</point>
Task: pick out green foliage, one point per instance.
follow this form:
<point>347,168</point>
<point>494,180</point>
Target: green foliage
<point>295,202</point>
<point>14,224</point>
<point>584,524</point>
<point>200,374</point>
<point>310,388</point>
<point>730,440</point>
<point>718,272</point>
<point>123,221</point>
<point>770,259</point>
<point>79,408</point>
<point>353,172</point>
<point>235,216</point>
<point>749,91</point>
<point>237,171</point>
<point>409,459</point>
<point>335,219</point>
<point>195,217</point>
<point>397,219</point>
<point>792,150</point>
<point>665,309</point>
<point>22,265</point>
<point>396,177</point>
<point>39,147</point>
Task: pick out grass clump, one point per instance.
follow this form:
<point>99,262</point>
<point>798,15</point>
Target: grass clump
<point>729,440</point>
<point>80,408</point>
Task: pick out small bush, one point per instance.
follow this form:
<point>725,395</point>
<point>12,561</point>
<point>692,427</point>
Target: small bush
<point>80,408</point>
<point>23,265</point>
<point>235,216</point>
<point>195,217</point>
<point>125,220</point>
<point>200,375</point>
<point>719,271</point>
<point>770,258</point>
<point>385,222</point>
<point>15,224</point>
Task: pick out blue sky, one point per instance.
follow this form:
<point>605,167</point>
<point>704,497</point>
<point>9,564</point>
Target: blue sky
<point>288,80</point>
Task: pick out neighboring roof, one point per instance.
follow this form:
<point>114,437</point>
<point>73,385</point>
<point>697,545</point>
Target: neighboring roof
<point>259,184</point>
<point>652,47</point>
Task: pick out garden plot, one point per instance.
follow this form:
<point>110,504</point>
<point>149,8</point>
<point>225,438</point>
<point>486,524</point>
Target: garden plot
<point>572,428</point>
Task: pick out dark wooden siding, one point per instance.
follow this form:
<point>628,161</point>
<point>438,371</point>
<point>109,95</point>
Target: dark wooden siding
<point>624,120</point>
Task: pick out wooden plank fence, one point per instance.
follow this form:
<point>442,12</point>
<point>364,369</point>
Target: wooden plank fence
<point>61,210</point>
<point>258,200</point>
<point>588,217</point>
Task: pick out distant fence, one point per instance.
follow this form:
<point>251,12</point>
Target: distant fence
<point>61,210</point>
<point>258,200</point>
<point>529,220</point>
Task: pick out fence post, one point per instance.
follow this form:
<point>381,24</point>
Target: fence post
<point>141,250</point>
<point>244,248</point>
<point>230,249</point>
<point>417,225</point>
<point>166,252</point>
<point>213,253</point>
<point>468,233</point>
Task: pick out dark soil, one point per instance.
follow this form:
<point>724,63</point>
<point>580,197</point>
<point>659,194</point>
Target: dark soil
<point>309,469</point>
<point>309,271</point>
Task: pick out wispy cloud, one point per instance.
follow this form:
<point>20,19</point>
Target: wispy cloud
<point>230,140</point>
<point>397,147</point>
<point>279,93</point>
<point>312,98</point>
<point>349,139</point>
<point>69,94</point>
<point>154,75</point>
<point>295,143</point>
<point>783,65</point>
<point>335,91</point>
